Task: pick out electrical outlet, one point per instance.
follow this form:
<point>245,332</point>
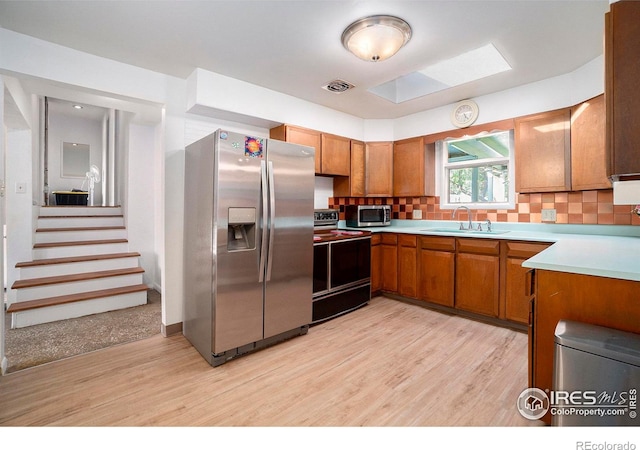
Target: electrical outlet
<point>416,214</point>
<point>548,215</point>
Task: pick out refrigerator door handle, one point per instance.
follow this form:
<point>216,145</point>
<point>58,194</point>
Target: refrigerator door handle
<point>263,242</point>
<point>272,219</point>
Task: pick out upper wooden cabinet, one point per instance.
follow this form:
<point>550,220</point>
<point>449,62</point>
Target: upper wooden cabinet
<point>588,153</point>
<point>371,171</point>
<point>543,152</point>
<point>379,169</point>
<point>335,155</point>
<point>332,152</point>
<point>413,168</point>
<point>302,136</point>
<point>622,72</point>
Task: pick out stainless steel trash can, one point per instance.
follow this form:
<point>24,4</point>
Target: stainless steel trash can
<point>596,376</point>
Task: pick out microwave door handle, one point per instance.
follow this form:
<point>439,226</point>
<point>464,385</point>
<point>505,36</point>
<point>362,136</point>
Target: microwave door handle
<point>263,242</point>
<point>272,219</point>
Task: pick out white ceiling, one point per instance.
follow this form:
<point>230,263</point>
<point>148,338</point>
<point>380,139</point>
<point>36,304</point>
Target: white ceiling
<point>294,47</point>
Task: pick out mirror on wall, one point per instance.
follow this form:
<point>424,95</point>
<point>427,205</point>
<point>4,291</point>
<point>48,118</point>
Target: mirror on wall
<point>76,159</point>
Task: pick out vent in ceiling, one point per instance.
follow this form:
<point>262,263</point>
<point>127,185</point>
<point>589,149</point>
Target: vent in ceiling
<point>338,86</point>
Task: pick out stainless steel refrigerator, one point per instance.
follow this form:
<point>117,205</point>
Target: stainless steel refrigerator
<point>248,227</point>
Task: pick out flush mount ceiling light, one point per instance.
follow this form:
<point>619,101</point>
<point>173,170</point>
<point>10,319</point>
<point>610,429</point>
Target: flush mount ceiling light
<point>376,38</point>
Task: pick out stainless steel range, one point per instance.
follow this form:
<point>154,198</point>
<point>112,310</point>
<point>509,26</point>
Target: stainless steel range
<point>341,267</point>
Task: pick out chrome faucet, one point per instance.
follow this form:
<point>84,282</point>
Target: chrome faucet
<point>453,216</point>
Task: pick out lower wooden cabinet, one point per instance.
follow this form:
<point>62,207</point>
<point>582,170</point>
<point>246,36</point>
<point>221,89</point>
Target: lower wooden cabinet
<point>389,262</point>
<point>376,263</point>
<point>518,279</point>
<point>436,262</point>
<point>478,276</point>
<point>407,266</point>
<point>606,302</point>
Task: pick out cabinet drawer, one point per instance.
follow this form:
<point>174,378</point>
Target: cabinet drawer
<point>525,249</point>
<point>376,239</point>
<point>389,239</point>
<point>438,243</point>
<point>407,240</point>
<point>479,246</point>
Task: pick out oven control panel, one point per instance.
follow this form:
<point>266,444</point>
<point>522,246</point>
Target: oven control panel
<point>325,217</point>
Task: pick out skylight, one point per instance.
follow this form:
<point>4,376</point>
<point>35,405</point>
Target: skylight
<point>470,66</point>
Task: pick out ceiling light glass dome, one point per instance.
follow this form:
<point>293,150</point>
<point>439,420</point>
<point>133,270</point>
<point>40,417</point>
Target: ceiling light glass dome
<point>376,38</point>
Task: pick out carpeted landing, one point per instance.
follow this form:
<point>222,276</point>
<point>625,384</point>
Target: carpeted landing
<point>40,344</point>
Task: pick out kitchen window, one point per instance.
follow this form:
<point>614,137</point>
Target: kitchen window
<point>477,171</point>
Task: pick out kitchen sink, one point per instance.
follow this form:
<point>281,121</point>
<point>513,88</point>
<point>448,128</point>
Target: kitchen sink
<point>469,232</point>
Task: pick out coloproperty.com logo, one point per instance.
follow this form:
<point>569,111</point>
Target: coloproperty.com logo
<point>534,403</point>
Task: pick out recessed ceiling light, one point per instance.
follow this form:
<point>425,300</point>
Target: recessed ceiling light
<point>77,106</point>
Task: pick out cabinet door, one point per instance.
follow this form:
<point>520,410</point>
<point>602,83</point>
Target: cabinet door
<point>436,264</point>
<point>379,169</point>
<point>302,136</point>
<point>407,266</point>
<point>389,255</point>
<point>353,185</point>
<point>335,155</point>
<point>518,291</point>
<point>543,152</point>
<point>622,51</point>
<point>478,276</point>
<point>357,169</point>
<point>413,168</point>
<point>517,303</point>
<point>588,152</point>
<point>376,263</point>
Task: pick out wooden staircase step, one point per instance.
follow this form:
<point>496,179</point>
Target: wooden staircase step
<point>67,244</point>
<point>46,230</point>
<point>73,259</point>
<point>81,217</point>
<point>63,299</point>
<point>33,282</point>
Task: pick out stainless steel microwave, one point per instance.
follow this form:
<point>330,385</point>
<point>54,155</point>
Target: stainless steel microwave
<point>368,215</point>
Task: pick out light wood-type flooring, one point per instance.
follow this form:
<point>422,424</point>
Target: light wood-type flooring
<point>388,364</point>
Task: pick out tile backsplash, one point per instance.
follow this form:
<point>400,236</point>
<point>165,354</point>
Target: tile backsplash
<point>586,207</point>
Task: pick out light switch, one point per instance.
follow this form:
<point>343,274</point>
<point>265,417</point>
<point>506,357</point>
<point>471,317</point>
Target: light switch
<point>21,188</point>
<point>417,214</point>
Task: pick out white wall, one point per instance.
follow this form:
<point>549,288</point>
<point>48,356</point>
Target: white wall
<point>140,206</point>
<point>19,205</point>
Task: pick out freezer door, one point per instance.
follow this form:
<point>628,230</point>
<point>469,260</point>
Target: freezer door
<point>238,288</point>
<point>289,269</point>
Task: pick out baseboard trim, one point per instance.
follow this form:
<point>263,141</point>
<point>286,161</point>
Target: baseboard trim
<point>169,330</point>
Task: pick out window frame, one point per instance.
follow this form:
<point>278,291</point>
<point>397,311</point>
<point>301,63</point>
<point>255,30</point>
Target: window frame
<point>444,167</point>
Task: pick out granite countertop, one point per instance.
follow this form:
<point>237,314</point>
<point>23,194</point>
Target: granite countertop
<point>602,250</point>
